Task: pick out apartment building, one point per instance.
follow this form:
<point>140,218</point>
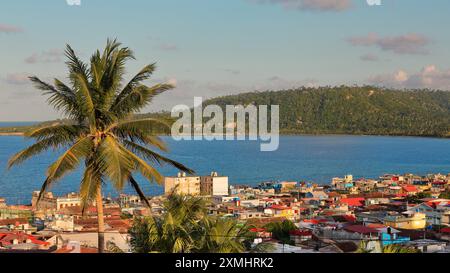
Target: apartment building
<point>182,184</point>
<point>214,185</point>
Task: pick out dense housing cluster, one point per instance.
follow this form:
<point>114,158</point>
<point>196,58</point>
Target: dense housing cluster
<point>348,215</point>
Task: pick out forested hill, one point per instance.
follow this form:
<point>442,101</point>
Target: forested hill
<point>354,110</point>
<point>344,110</point>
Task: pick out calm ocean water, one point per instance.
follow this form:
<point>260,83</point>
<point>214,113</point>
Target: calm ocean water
<point>17,124</point>
<point>311,158</point>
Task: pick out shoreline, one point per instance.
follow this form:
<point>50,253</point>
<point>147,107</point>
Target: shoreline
<point>294,134</point>
<point>12,134</point>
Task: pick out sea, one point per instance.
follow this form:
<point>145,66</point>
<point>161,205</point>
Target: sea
<point>299,158</point>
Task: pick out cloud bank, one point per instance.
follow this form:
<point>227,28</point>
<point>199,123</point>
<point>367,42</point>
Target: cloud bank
<point>412,43</point>
<point>429,77</point>
<point>49,56</point>
<point>10,29</point>
<point>311,5</point>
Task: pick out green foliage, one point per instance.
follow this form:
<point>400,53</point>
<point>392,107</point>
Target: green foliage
<point>185,227</point>
<point>445,195</point>
<point>389,249</point>
<point>416,199</point>
<point>363,110</point>
<point>398,249</point>
<point>280,230</point>
<point>98,131</point>
<point>354,110</point>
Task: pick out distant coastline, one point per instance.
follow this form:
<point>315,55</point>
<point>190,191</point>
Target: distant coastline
<point>12,134</point>
<point>20,134</point>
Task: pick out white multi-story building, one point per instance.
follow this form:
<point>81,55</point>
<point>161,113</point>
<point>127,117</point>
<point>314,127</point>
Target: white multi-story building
<point>182,184</point>
<point>214,185</point>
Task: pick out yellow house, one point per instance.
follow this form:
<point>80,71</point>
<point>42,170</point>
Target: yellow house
<point>182,184</point>
<point>288,186</point>
<point>280,211</point>
<point>409,220</point>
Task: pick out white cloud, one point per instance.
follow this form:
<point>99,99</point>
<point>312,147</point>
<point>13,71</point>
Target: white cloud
<point>312,5</point>
<point>49,56</point>
<point>17,79</point>
<point>429,77</point>
<point>412,43</point>
<point>369,57</point>
<point>167,47</point>
<point>9,29</point>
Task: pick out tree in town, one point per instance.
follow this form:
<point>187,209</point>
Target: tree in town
<point>99,131</point>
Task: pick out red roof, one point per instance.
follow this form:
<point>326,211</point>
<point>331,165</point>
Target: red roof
<point>83,250</point>
<point>333,194</point>
<point>6,238</point>
<point>257,230</point>
<point>401,195</point>
<point>445,230</point>
<point>350,218</point>
<point>15,222</point>
<point>375,225</point>
<point>410,188</point>
<point>299,232</point>
<point>279,207</point>
<point>353,202</point>
<point>360,229</point>
<point>315,221</point>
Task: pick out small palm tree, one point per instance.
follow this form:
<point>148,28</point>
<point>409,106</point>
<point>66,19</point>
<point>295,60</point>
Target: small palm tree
<point>398,249</point>
<point>100,131</point>
<point>281,230</point>
<point>362,248</point>
<point>175,231</point>
<point>223,236</point>
<point>395,249</point>
<point>185,227</point>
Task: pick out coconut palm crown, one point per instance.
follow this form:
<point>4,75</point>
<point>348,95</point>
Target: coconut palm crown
<point>100,131</point>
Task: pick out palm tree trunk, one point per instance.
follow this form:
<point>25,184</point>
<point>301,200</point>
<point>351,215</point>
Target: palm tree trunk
<point>101,221</point>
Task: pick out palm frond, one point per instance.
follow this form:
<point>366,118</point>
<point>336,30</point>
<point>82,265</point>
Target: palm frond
<point>71,158</point>
<point>146,125</point>
<point>143,167</point>
<point>139,136</point>
<point>79,76</point>
<point>60,97</point>
<point>39,147</point>
<point>67,162</point>
<point>115,162</point>
<point>155,157</point>
<point>135,185</point>
<point>91,180</point>
<point>63,131</point>
<point>139,97</point>
<point>142,75</point>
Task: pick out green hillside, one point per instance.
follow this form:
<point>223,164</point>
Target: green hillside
<point>346,110</point>
<point>354,110</point>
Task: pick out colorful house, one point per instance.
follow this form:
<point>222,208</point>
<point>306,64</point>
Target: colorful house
<point>280,211</point>
<point>408,220</point>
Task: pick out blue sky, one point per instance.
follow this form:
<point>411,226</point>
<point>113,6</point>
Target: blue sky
<point>216,47</point>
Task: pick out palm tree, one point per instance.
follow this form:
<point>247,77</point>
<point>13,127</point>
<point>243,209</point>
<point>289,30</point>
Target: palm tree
<point>393,248</point>
<point>223,236</point>
<point>398,249</point>
<point>100,131</point>
<point>176,231</point>
<point>186,227</point>
<point>281,230</point>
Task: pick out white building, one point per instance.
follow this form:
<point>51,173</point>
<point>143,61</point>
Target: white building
<point>182,184</point>
<point>214,185</point>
